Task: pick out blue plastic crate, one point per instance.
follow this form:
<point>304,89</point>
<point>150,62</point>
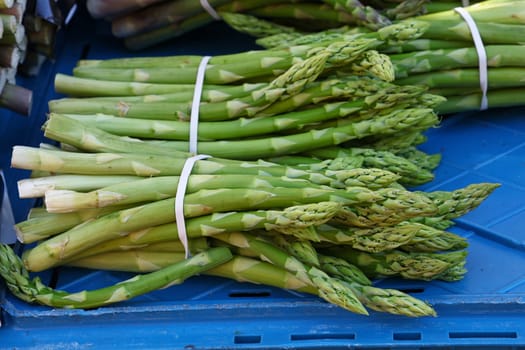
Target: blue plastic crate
<point>485,310</point>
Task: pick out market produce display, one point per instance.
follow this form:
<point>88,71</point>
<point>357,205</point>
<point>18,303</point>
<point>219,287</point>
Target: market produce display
<point>307,162</point>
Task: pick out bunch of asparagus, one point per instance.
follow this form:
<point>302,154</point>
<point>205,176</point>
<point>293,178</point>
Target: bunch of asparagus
<point>13,47</point>
<point>145,23</point>
<point>42,21</point>
<point>284,227</point>
<point>285,199</point>
<point>29,29</point>
<point>327,104</point>
<point>443,58</point>
<point>281,226</point>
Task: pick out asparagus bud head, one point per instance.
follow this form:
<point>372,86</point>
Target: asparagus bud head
<point>398,33</point>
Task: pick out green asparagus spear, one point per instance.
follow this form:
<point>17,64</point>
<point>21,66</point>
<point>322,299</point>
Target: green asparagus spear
<point>34,291</point>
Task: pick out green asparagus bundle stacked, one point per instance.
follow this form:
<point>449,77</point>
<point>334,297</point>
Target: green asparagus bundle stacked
<point>290,106</point>
<point>298,173</point>
<point>284,190</point>
<point>281,226</point>
<point>454,71</point>
<point>444,58</point>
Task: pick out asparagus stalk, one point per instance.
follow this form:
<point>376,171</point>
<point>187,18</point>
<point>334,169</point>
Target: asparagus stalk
<point>233,129</point>
<point>66,130</point>
<point>300,249</point>
<point>82,87</point>
<point>379,299</point>
<point>296,217</point>
<point>244,269</point>
<point>249,269</point>
<point>349,87</point>
<point>372,178</point>
<point>493,32</point>
<point>419,266</point>
<point>430,239</point>
<point>33,291</point>
<point>373,240</point>
<point>425,61</point>
<point>35,187</point>
<point>453,204</point>
<point>42,226</point>
<point>62,162</point>
<point>503,77</point>
<point>290,82</point>
<point>113,225</point>
<point>411,173</point>
<point>396,206</point>
<point>392,301</point>
<point>254,64</point>
<point>135,258</point>
<point>330,289</point>
<point>385,300</point>
<point>485,11</point>
<point>239,268</point>
<point>366,16</point>
<point>342,270</point>
<point>254,26</point>
<point>413,119</point>
<point>156,188</point>
<point>505,97</point>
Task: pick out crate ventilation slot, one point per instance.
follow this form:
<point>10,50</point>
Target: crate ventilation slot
<point>414,290</point>
<point>405,336</point>
<point>250,294</point>
<point>327,336</point>
<point>85,51</point>
<point>471,335</point>
<point>247,339</point>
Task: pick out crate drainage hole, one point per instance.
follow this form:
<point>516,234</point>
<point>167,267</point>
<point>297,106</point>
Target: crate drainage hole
<point>404,336</point>
<point>412,290</point>
<point>85,51</point>
<point>250,294</point>
<point>53,279</point>
<point>247,339</point>
<point>470,335</point>
<point>342,336</point>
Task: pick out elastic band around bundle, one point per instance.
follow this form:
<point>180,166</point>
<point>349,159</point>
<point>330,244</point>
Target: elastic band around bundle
<point>179,200</point>
<point>482,55</point>
<point>206,6</point>
<point>195,104</point>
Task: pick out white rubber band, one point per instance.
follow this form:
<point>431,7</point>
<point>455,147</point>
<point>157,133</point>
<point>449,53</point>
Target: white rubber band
<point>179,200</point>
<point>482,55</point>
<point>194,115</point>
<point>190,162</point>
<point>206,5</point>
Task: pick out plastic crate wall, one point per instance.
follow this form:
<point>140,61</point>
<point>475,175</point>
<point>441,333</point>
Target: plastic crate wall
<point>483,311</point>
